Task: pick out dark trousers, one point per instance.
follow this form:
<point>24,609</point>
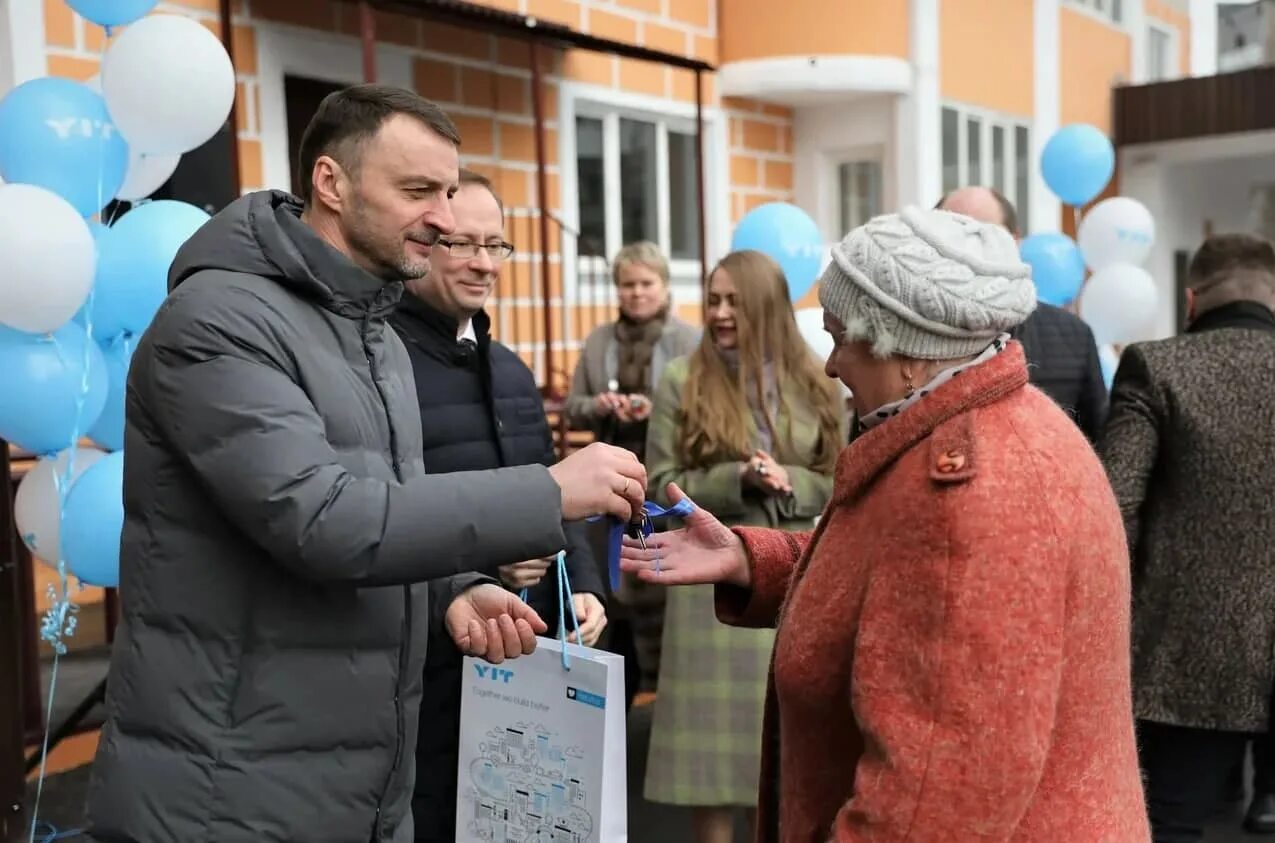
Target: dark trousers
<point>1264,765</point>
<point>1186,773</point>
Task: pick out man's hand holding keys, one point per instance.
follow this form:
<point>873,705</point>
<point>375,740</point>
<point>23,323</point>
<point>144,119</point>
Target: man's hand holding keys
<point>600,479</point>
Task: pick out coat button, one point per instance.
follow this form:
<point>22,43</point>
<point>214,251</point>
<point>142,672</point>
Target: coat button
<point>951,462</point>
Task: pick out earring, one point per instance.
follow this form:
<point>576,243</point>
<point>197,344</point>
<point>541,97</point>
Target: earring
<point>908,388</point>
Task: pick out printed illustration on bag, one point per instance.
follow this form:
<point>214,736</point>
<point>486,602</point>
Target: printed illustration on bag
<point>527,787</point>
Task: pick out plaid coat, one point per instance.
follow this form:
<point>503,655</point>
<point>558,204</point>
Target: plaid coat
<point>706,735</point>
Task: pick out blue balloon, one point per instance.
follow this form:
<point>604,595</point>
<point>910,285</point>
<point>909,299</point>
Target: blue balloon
<point>133,260</point>
<point>48,400</point>
<point>57,134</point>
<point>112,12</point>
<point>789,236</point>
<point>92,521</point>
<point>1077,163</point>
<point>1058,268</point>
<point>109,430</point>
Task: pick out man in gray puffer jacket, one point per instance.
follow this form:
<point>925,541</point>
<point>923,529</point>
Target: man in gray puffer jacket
<point>279,525</point>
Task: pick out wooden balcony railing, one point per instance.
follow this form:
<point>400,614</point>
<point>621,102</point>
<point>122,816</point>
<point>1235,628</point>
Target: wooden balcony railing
<point>1201,107</point>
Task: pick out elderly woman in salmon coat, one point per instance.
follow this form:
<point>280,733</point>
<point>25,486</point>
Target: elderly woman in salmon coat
<point>952,654</point>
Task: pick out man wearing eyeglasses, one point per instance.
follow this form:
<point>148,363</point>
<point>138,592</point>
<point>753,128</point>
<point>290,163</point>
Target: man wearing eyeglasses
<point>480,409</point>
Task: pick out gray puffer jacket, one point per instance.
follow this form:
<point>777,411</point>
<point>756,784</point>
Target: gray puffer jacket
<point>265,680</point>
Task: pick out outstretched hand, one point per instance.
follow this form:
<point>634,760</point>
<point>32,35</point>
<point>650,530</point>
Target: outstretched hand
<point>704,551</point>
<point>490,623</point>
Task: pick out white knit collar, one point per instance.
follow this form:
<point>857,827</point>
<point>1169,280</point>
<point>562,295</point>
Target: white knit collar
<point>889,411</point>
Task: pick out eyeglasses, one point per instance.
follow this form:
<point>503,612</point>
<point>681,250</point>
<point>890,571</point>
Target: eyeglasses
<point>467,249</point>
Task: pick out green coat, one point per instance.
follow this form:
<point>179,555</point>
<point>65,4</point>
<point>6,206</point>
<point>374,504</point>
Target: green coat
<point>718,488</point>
<point>706,737</point>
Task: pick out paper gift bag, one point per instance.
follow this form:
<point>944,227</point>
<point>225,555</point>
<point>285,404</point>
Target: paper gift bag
<point>542,748</point>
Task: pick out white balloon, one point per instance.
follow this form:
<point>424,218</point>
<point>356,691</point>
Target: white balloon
<point>48,256</point>
<point>145,174</point>
<point>1116,230</point>
<point>37,507</point>
<point>810,326</point>
<point>1119,303</point>
<point>168,84</point>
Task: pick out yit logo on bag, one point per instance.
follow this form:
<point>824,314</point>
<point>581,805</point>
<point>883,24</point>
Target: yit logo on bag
<point>587,698</point>
<point>495,674</point>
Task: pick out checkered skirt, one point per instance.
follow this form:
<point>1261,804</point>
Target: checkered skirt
<point>706,737</point>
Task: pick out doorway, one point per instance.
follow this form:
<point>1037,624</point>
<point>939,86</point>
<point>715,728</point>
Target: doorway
<point>301,97</point>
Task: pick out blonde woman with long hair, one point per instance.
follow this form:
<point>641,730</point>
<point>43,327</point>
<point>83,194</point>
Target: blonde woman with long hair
<point>750,427</point>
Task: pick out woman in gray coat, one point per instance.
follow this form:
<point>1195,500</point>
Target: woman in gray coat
<point>611,395</point>
<point>622,360</point>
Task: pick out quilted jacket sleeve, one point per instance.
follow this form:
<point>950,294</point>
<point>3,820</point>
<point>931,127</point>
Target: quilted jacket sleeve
<point>220,393</point>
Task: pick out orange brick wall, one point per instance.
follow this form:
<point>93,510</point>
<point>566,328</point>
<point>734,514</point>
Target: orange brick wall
<point>484,84</point>
<point>761,154</point>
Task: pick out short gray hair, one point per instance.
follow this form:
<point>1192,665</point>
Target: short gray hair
<point>642,253</point>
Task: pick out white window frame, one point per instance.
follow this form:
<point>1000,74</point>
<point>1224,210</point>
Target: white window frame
<point>1172,50</point>
<point>1090,8</point>
<point>609,105</point>
<point>987,119</point>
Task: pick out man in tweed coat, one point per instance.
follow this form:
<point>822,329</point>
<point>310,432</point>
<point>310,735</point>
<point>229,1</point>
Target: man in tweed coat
<point>1188,447</point>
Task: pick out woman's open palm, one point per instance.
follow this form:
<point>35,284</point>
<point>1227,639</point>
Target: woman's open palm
<point>704,551</point>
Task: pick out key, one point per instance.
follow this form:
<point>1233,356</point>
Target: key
<point>637,530</point>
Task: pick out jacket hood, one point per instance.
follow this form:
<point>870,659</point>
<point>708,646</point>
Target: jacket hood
<point>262,234</point>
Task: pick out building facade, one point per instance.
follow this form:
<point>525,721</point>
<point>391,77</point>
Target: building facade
<point>846,107</point>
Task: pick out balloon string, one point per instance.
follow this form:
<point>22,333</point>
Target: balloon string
<point>60,618</point>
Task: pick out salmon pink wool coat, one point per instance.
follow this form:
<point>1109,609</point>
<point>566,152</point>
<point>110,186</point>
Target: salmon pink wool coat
<point>952,656</point>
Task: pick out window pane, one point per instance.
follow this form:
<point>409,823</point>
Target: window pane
<point>998,158</point>
<point>1157,54</point>
<point>974,151</point>
<point>683,196</point>
<point>590,187</point>
<point>1022,172</point>
<point>951,143</point>
<point>637,181</point>
<point>859,185</point>
<point>1117,11</point>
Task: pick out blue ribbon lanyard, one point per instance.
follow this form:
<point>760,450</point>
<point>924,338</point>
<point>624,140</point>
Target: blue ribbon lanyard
<point>618,529</point>
<point>564,603</point>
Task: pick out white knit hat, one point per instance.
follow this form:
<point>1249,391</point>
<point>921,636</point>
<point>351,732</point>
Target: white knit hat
<point>932,285</point>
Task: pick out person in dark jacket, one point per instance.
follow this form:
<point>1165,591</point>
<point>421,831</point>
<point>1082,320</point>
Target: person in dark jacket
<point>480,409</point>
<point>279,527</point>
<point>1062,357</point>
<point>1187,450</point>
